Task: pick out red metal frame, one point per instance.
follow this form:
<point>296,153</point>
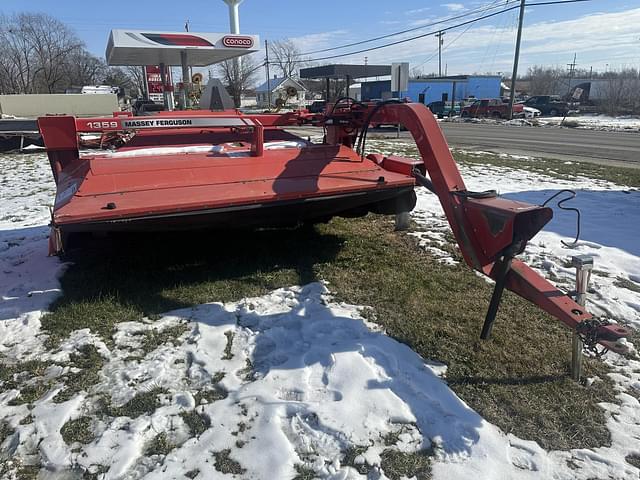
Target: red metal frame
<point>489,231</point>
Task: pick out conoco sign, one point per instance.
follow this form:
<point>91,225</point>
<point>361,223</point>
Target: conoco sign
<point>237,42</point>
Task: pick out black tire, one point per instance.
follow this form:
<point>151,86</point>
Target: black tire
<point>496,115</point>
<point>464,114</point>
<point>553,112</point>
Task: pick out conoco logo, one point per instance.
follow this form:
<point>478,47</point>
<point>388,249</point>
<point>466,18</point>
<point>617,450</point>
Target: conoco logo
<point>238,42</point>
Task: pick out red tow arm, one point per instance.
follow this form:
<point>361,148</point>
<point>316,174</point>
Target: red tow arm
<point>490,231</point>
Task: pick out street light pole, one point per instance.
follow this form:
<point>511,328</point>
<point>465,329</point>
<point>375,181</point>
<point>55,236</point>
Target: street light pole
<point>514,74</point>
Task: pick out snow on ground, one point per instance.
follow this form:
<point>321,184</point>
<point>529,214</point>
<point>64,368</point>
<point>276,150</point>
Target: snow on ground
<point>597,122</point>
<point>629,123</point>
<point>292,377</point>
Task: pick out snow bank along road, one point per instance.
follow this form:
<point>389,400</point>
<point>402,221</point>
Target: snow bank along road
<point>612,148</point>
<point>305,377</point>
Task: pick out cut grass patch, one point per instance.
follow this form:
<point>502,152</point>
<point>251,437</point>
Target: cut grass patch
<point>24,370</point>
<point>198,423</point>
<point>397,465</point>
<point>89,362</point>
<point>350,456</point>
<point>78,430</point>
<point>225,464</point>
<point>142,403</point>
<point>5,431</point>
<point>628,284</point>
<point>633,460</point>
<point>210,395</point>
<point>160,445</point>
<point>303,472</point>
<point>154,337</point>
<point>30,393</point>
<point>519,380</point>
<point>227,348</point>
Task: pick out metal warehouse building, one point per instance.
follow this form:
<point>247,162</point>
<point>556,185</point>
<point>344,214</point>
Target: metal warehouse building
<point>427,90</point>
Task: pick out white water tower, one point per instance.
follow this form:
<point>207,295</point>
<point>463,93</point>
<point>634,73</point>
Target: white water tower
<point>234,19</point>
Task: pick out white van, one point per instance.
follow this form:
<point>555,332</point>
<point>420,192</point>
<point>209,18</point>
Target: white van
<point>101,89</point>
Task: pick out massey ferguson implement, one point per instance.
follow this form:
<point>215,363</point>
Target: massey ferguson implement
<point>204,169</point>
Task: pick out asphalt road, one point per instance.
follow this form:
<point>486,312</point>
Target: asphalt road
<point>613,148</point>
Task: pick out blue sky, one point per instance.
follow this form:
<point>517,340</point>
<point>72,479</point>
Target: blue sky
<point>601,32</point>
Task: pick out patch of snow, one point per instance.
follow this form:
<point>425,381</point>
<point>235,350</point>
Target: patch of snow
<point>598,122</point>
<point>155,151</point>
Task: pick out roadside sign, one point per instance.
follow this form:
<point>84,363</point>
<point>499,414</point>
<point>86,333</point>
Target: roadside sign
<point>400,77</point>
<point>154,82</point>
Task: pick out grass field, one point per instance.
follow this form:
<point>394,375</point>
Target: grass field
<point>519,380</point>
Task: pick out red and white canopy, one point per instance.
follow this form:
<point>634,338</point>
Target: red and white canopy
<point>146,47</point>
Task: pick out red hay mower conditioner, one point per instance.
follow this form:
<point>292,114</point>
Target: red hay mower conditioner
<point>206,169</point>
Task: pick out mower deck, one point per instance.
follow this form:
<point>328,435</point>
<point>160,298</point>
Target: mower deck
<point>176,187</point>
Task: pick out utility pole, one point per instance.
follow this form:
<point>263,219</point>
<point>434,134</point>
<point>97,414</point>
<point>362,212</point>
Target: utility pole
<point>514,74</point>
<point>440,34</point>
<point>266,64</point>
<point>572,69</point>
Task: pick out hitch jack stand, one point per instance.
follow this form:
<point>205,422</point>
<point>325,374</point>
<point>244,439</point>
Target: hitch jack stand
<point>583,265</point>
<point>502,270</point>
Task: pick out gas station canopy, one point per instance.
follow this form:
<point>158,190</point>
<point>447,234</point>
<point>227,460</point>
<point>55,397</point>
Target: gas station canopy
<point>144,47</point>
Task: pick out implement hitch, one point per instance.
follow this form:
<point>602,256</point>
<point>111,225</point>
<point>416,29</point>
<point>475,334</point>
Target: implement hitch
<point>490,231</point>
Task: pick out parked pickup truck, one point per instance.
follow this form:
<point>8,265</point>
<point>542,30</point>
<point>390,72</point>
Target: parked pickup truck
<point>491,107</point>
<point>548,104</point>
<point>444,109</point>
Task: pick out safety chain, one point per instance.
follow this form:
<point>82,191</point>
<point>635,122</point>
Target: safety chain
<point>587,330</point>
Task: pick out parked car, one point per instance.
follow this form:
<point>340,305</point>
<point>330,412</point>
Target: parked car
<point>530,112</point>
<point>444,109</point>
<point>548,104</point>
<point>491,107</point>
<point>146,107</point>
<point>317,106</point>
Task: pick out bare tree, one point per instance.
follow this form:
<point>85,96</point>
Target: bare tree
<point>238,76</point>
<point>53,47</point>
<point>285,57</point>
<point>17,63</point>
<point>619,91</point>
<point>136,75</point>
<point>85,69</point>
<point>41,54</point>
<point>546,80</point>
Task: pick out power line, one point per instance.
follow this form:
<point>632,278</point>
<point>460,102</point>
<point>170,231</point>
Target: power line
<point>477,19</point>
<point>417,36</point>
<point>445,47</point>
<point>484,8</point>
